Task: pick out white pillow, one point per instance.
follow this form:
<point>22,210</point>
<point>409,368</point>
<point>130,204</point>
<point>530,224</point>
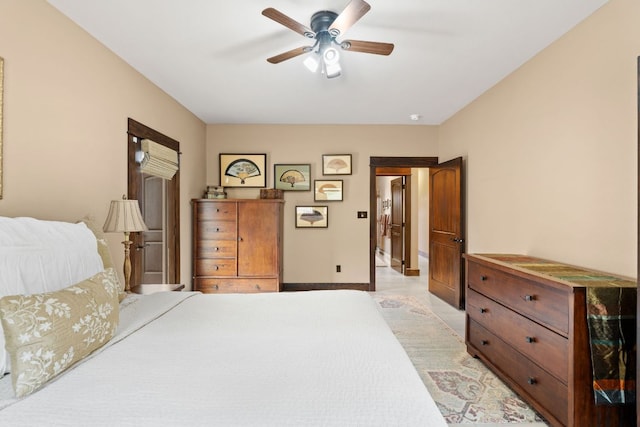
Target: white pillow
<point>38,256</point>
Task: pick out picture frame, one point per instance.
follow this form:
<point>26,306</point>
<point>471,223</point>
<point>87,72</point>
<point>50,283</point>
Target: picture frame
<point>336,164</point>
<point>328,190</point>
<point>243,170</point>
<point>312,216</point>
<point>292,177</point>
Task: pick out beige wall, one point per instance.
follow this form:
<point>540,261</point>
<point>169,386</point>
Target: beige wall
<point>311,256</point>
<point>66,103</point>
<point>551,151</point>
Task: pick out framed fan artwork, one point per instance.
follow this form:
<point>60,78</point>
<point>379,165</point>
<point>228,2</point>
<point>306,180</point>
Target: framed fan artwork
<point>336,164</point>
<point>327,190</point>
<point>292,177</point>
<point>312,216</point>
<point>243,170</point>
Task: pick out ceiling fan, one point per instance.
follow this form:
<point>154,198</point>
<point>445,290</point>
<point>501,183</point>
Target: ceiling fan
<point>326,26</point>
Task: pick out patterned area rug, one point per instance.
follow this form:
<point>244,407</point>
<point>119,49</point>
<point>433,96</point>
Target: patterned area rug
<point>465,391</point>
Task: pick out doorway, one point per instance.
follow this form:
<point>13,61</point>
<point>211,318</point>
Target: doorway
<point>396,231</point>
<point>155,257</point>
<point>388,164</point>
<point>447,194</point>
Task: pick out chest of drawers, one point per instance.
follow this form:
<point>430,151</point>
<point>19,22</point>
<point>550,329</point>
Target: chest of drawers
<point>237,245</point>
<point>531,330</point>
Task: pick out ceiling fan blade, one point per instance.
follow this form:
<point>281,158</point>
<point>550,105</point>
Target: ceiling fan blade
<point>289,54</point>
<point>349,16</point>
<point>367,47</point>
<point>292,24</point>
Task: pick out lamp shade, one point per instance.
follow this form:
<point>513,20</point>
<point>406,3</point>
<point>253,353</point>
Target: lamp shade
<point>124,216</point>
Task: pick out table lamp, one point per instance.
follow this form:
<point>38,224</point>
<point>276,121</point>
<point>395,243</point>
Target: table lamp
<point>125,217</point>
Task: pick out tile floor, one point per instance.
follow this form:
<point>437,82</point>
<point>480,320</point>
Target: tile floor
<point>389,281</point>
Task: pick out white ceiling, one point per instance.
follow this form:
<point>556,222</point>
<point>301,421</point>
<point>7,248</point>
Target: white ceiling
<point>210,55</point>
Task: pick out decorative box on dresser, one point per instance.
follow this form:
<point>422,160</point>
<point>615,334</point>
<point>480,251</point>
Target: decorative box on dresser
<point>237,245</point>
<point>530,328</point>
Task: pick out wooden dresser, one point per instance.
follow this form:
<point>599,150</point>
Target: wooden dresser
<point>237,245</point>
<point>530,328</point>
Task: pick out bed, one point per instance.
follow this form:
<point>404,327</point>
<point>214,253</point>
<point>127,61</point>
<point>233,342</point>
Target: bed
<point>323,358</point>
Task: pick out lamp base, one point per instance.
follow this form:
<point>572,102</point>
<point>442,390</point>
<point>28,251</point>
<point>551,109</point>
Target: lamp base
<point>127,263</point>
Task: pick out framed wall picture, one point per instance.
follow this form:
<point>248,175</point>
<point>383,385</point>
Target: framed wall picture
<point>292,177</point>
<point>328,190</point>
<point>312,216</point>
<point>336,164</point>
<point>243,170</point>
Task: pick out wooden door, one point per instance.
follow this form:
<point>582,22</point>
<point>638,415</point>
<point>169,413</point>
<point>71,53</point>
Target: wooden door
<point>163,213</point>
<point>151,245</point>
<point>258,235</point>
<point>446,234</point>
<point>397,224</point>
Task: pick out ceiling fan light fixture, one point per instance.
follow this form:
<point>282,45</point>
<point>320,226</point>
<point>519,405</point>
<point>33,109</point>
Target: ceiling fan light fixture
<point>312,62</point>
<point>331,56</point>
<point>331,61</point>
<point>325,26</point>
<point>332,70</point>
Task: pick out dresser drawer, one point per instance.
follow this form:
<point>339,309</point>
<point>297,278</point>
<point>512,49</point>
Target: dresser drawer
<point>543,346</point>
<point>545,391</point>
<point>216,267</point>
<point>216,249</point>
<point>216,211</point>
<point>544,304</point>
<point>223,285</point>
<point>218,230</point>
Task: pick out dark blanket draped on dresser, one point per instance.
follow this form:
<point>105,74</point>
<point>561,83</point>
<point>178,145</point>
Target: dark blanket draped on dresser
<point>611,317</point>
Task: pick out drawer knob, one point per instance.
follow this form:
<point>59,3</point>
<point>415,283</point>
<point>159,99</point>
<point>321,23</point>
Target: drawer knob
<point>217,229</point>
<point>239,239</point>
<point>484,342</point>
<point>483,278</point>
<point>529,298</point>
<point>531,380</point>
<point>217,268</point>
<point>215,287</point>
<point>483,310</point>
<point>257,287</point>
<point>530,339</point>
<point>216,249</point>
<point>217,209</point>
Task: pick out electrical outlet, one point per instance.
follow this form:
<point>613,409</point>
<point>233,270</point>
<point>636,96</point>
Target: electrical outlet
<point>362,214</point>
<point>338,269</point>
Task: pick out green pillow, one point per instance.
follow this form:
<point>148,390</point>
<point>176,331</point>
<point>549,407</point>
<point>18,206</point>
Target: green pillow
<point>47,333</point>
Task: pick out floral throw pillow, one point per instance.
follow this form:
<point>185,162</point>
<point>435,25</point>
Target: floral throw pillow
<point>47,333</point>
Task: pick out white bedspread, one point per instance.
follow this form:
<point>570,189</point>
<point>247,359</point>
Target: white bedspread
<point>320,358</point>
